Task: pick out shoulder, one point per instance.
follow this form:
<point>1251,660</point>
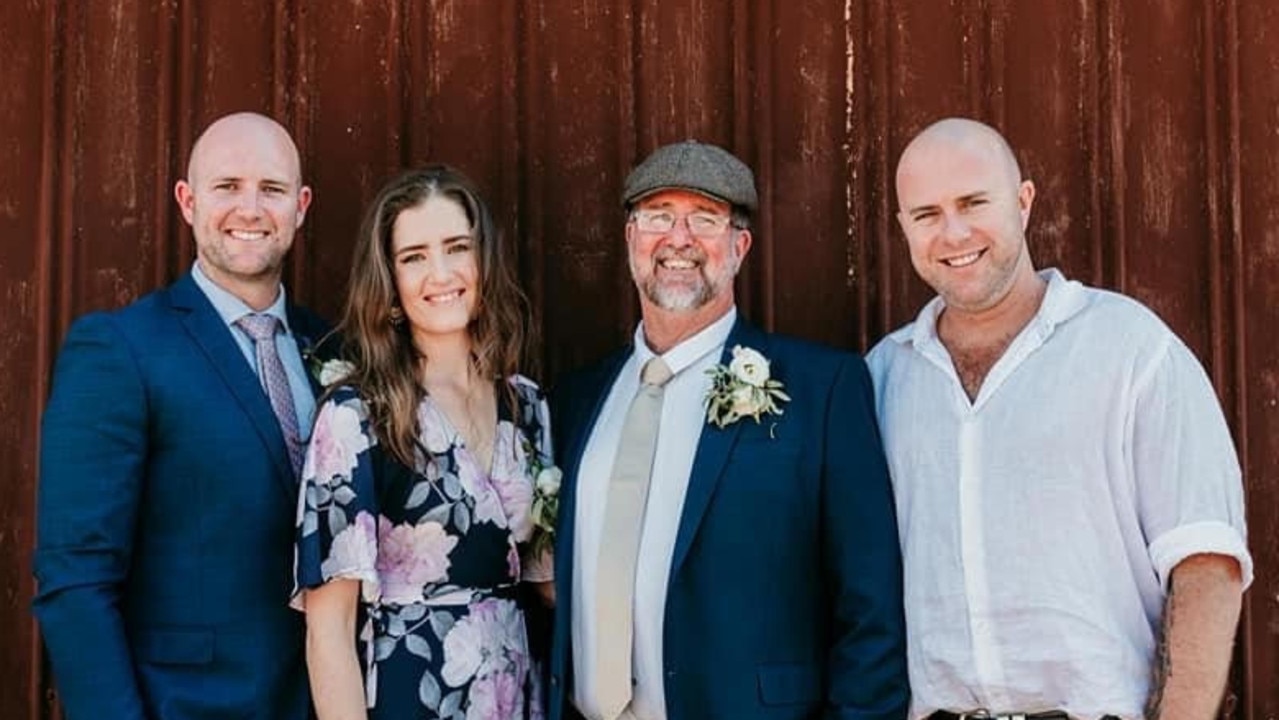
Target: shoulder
<point>809,370</point>
<point>797,356</point>
<point>525,388</point>
<point>343,399</point>
<point>139,321</point>
<point>1109,324</point>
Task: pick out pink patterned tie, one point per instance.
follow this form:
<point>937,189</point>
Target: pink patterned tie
<point>263,328</point>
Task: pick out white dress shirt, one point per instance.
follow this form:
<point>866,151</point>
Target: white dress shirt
<point>1040,522</point>
<point>683,417</point>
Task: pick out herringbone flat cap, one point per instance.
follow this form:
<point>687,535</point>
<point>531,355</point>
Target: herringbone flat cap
<point>702,168</point>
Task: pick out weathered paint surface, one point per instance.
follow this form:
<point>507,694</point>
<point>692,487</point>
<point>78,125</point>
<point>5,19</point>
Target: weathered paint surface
<point>1149,127</point>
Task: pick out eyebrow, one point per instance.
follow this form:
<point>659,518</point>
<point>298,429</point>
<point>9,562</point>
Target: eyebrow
<point>452,240</point>
<point>263,181</point>
<point>961,200</point>
<point>707,207</point>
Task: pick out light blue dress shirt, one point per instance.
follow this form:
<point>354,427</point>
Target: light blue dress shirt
<point>231,308</point>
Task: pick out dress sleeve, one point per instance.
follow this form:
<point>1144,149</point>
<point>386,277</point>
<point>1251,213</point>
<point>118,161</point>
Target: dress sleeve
<point>337,518</point>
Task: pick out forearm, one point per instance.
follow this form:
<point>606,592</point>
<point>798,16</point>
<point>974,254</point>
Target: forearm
<point>337,686</point>
<point>1200,614</point>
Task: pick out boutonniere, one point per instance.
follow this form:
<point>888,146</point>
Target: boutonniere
<point>546,499</point>
<point>743,388</point>
<point>326,372</point>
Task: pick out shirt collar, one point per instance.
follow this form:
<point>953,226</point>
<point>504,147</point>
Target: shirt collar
<point>705,341</point>
<point>231,308</point>
<point>1062,300</point>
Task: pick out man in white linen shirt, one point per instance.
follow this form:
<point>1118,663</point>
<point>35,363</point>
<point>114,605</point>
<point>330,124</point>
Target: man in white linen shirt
<point>758,575</point>
<point>1069,499</point>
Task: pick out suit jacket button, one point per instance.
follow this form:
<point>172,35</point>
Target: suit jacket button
<point>555,679</point>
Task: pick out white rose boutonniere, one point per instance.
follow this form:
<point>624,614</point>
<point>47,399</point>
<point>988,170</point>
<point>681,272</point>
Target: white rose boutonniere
<point>743,388</point>
<point>332,371</point>
<point>546,499</point>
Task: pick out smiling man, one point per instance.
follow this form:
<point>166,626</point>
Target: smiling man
<point>1070,501</point>
<point>169,458</point>
<point>726,544</point>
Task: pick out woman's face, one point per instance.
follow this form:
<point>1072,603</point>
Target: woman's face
<point>437,271</point>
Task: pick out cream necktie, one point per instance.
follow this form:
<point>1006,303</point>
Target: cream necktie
<point>623,519</point>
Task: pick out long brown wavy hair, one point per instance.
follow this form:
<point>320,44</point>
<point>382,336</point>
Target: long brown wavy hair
<point>385,361</point>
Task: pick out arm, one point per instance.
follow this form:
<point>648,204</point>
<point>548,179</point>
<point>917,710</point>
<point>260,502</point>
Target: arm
<point>337,687</point>
<point>92,455</point>
<point>867,667</point>
<point>1200,613</point>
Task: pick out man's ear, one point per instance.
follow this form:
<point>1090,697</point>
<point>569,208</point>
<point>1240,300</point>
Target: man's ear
<point>742,243</point>
<point>304,202</point>
<point>1025,198</point>
<point>185,195</point>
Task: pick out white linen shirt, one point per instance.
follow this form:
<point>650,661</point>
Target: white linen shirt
<point>683,417</point>
<point>1039,523</point>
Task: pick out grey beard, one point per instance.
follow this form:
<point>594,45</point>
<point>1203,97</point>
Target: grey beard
<point>678,299</point>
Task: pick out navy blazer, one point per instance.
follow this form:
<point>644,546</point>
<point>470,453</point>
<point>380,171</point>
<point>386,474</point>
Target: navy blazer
<point>165,520</point>
<point>785,587</point>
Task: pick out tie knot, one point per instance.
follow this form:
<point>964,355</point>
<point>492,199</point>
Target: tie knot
<point>259,327</point>
<point>655,372</point>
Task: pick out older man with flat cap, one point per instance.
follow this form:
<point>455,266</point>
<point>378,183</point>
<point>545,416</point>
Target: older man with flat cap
<point>727,545</point>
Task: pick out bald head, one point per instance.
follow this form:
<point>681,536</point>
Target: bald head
<point>245,132</point>
<point>958,135</point>
<point>244,199</point>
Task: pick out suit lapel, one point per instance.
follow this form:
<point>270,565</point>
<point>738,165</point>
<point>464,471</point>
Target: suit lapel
<point>594,390</point>
<point>211,335</point>
<point>308,346</point>
<point>713,450</point>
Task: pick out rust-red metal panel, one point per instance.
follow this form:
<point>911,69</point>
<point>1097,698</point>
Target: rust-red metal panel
<point>28,130</point>
<point>1147,125</point>
<point>806,246</point>
<point>1254,238</point>
<point>578,132</point>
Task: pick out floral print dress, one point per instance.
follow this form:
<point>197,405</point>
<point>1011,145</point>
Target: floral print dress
<point>436,549</point>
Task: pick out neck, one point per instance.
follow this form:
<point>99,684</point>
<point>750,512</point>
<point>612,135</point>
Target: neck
<point>259,293</point>
<point>447,360</point>
<point>998,323</point>
<point>664,329</point>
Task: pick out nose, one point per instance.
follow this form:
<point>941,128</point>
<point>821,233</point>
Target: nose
<point>680,235</point>
<point>436,267</point>
<point>250,203</point>
<point>956,227</point>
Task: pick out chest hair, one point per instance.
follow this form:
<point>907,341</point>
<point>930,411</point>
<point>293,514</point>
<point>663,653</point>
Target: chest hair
<point>973,363</point>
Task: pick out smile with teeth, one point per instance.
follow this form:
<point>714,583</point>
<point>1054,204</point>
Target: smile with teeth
<point>964,260</point>
<point>248,234</point>
<point>676,263</point>
<point>444,298</point>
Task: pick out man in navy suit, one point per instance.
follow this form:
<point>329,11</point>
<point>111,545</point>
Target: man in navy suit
<point>167,467</point>
<point>727,546</point>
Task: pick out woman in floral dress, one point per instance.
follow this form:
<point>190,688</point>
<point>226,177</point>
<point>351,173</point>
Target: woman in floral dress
<point>415,520</point>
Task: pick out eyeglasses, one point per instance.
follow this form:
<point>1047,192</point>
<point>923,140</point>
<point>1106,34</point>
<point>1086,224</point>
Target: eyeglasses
<point>700,224</point>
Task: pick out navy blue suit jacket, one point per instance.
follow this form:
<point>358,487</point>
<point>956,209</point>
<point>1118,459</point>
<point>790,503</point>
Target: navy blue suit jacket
<point>165,521</point>
<point>784,597</point>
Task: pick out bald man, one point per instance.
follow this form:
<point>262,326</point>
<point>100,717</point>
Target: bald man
<point>167,466</point>
<point>1068,496</point>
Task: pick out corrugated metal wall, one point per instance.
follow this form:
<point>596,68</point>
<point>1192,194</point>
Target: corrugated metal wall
<point>1148,125</point>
